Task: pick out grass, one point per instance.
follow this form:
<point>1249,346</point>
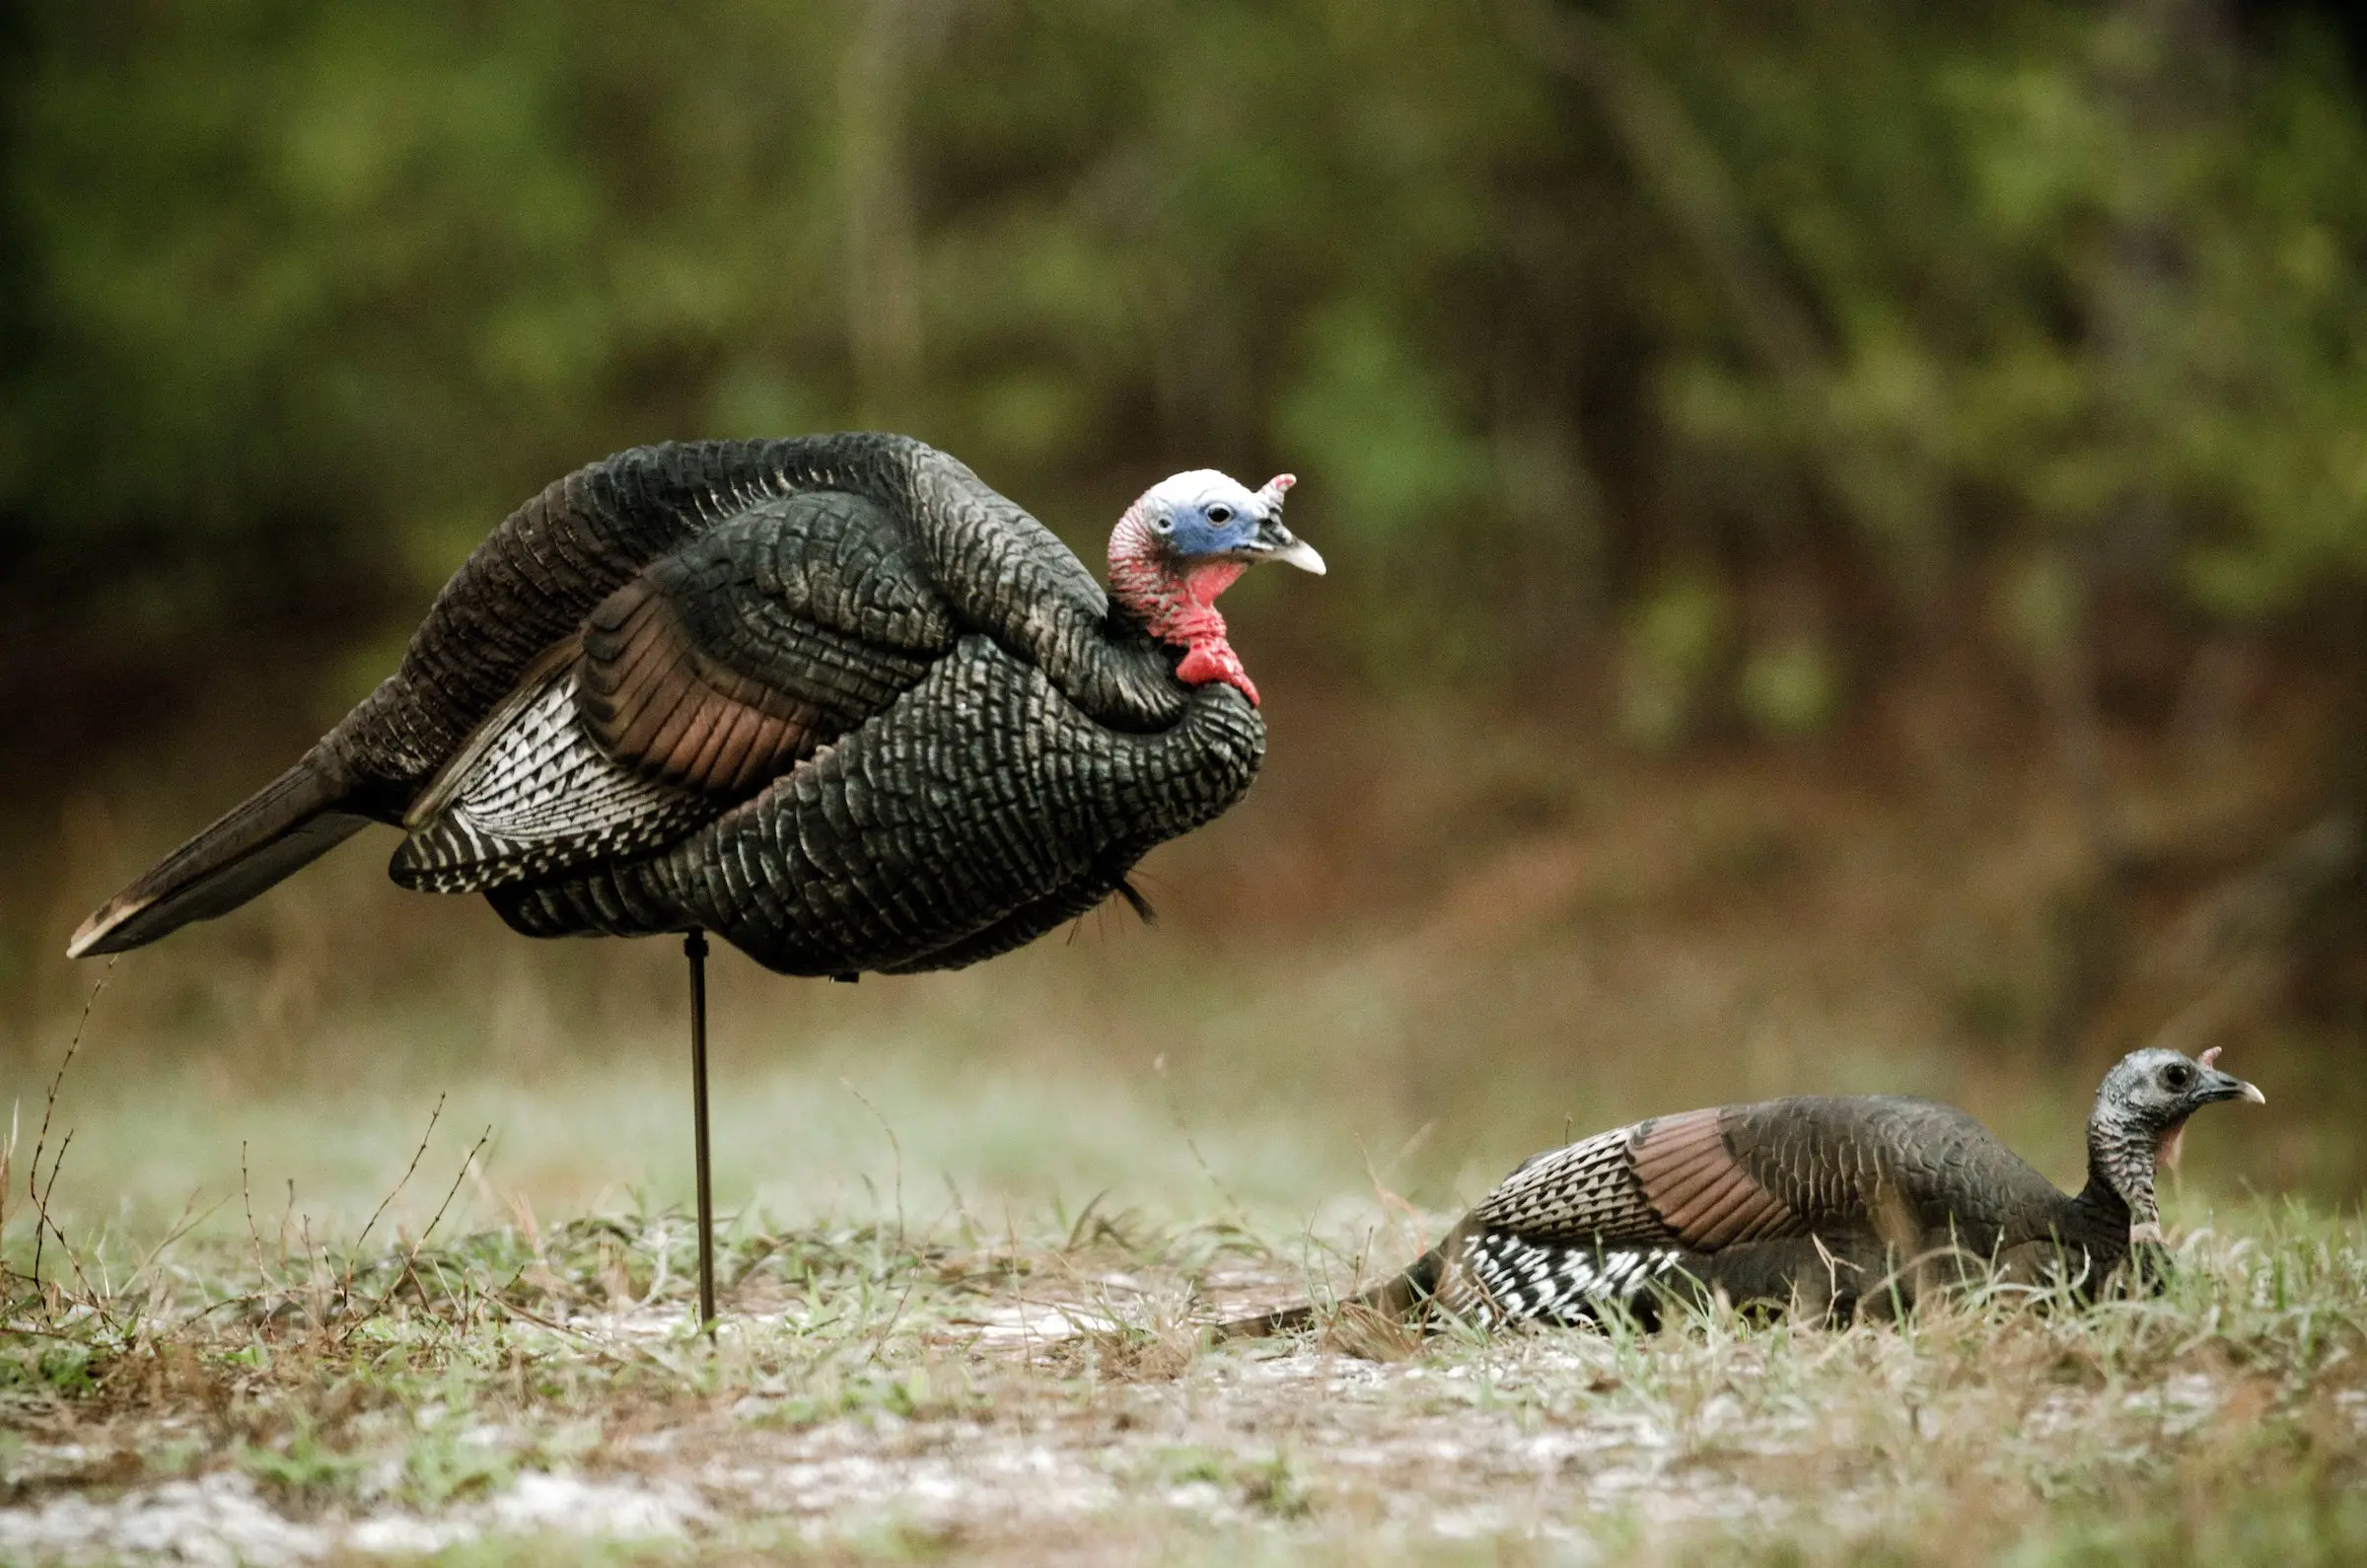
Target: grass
<point>1042,1388</point>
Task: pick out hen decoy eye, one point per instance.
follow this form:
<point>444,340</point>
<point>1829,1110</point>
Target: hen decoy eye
<point>1220,514</point>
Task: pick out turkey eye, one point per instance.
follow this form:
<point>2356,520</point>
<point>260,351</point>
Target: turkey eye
<point>2177,1077</point>
<point>1220,514</point>
<point>1164,525</point>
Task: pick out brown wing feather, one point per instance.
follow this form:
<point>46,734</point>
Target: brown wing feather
<point>1698,1188</point>
<point>739,743</point>
<point>660,705</point>
<point>1682,1185</point>
<point>693,754</point>
<point>1725,1215</point>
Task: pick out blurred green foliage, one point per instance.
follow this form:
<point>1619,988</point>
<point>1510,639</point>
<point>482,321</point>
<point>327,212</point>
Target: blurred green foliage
<point>1550,308</point>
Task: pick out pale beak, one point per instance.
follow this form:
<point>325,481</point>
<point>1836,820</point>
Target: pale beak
<point>2220,1086</point>
<point>1275,542</point>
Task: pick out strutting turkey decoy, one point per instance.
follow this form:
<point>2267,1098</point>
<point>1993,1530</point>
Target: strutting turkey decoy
<point>1832,1205</point>
<point>831,698</point>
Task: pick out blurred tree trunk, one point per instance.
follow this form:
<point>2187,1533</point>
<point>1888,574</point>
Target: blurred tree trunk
<point>2155,61</point>
<point>883,246</point>
<point>1684,175</point>
<point>1683,172</point>
<point>2085,919</point>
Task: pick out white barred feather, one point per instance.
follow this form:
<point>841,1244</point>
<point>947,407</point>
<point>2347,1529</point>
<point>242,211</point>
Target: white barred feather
<point>1587,1188</point>
<point>536,796</point>
<point>1517,1280</point>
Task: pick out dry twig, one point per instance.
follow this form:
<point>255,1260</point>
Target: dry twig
<point>411,1256</point>
<point>894,1148</point>
<point>433,1118</point>
<point>32,1174</point>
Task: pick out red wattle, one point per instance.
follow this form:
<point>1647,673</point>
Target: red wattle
<point>1178,607</point>
<point>1201,584</point>
<point>1204,662</point>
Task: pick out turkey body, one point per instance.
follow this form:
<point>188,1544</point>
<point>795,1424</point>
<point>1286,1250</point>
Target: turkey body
<point>1829,1204</point>
<point>1832,1205</point>
<point>832,698</point>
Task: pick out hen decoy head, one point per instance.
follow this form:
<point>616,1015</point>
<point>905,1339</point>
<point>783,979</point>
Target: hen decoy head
<point>2141,1116</point>
<point>1186,541</point>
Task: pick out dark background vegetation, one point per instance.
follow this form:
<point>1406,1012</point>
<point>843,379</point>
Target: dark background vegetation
<point>1847,520</point>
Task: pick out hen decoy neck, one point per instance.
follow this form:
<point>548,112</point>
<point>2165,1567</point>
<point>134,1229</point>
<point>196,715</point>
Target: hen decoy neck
<point>1833,1205</point>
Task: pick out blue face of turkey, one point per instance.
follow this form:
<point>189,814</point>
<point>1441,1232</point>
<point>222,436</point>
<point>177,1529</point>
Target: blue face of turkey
<point>1208,516</point>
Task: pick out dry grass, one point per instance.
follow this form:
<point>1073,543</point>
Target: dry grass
<point>1050,1395</point>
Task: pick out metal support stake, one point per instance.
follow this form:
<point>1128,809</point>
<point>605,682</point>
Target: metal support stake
<point>694,946</point>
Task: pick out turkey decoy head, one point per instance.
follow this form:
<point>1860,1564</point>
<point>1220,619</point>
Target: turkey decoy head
<point>2140,1115</point>
<point>1204,517</point>
<point>1187,539</point>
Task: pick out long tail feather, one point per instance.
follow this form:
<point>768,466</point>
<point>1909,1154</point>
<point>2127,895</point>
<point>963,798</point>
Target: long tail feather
<point>1397,1298</point>
<point>287,823</point>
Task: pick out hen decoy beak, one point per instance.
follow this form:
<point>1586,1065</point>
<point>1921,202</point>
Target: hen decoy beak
<point>2217,1085</point>
<point>1275,542</point>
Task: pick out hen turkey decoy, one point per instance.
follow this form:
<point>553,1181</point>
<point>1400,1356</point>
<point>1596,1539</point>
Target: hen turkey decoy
<point>831,698</point>
<point>1831,1205</point>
